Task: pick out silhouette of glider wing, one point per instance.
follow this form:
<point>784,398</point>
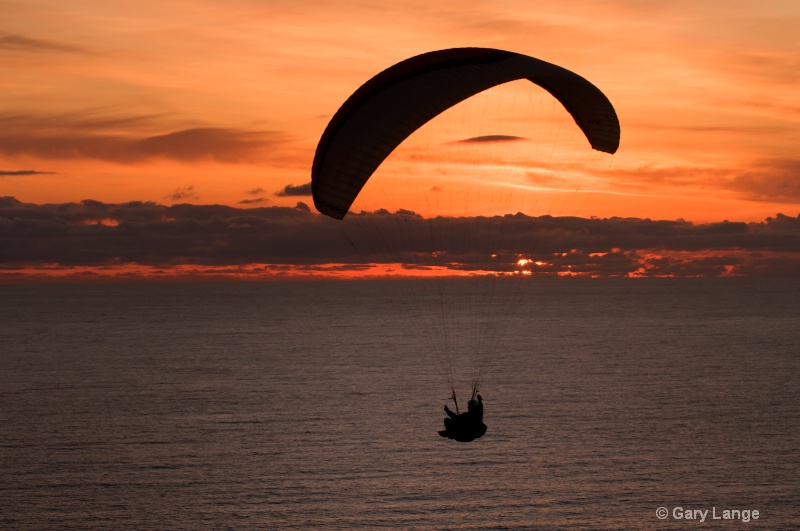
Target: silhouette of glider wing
<point>388,108</point>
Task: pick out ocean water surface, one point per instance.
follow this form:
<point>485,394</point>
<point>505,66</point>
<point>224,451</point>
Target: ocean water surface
<point>313,405</point>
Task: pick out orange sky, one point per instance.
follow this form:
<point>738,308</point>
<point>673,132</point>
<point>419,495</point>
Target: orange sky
<point>237,94</point>
<point>207,102</point>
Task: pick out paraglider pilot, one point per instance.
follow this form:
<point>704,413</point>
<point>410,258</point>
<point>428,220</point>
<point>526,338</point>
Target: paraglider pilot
<point>465,427</point>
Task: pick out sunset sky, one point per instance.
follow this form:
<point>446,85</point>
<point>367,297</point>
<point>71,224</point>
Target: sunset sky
<point>222,103</point>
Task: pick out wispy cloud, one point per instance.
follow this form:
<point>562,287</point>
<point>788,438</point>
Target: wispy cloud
<point>12,173</point>
<point>13,42</point>
<point>181,193</point>
<point>227,145</point>
<point>774,180</point>
<point>491,138</point>
<point>65,139</point>
<point>255,201</point>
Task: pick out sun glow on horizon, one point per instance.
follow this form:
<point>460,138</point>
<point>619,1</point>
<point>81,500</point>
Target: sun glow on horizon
<point>640,264</point>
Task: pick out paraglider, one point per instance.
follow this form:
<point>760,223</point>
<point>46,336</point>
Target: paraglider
<point>465,427</point>
<point>388,108</point>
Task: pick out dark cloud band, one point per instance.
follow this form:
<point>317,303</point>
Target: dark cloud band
<point>92,233</point>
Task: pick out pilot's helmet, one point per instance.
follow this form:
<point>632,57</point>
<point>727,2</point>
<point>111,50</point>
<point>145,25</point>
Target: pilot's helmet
<point>472,404</point>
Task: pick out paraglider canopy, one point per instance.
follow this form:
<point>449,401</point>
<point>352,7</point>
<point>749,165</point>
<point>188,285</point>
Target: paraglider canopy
<point>388,108</point>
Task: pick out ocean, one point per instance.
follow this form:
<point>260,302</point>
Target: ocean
<point>611,404</point>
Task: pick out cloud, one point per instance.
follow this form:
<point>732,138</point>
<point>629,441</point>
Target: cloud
<point>93,233</point>
<point>490,138</point>
<point>12,173</point>
<point>291,190</point>
<point>255,201</point>
<point>179,194</point>
<point>771,180</point>
<point>13,42</point>
<point>111,139</point>
<point>226,145</point>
